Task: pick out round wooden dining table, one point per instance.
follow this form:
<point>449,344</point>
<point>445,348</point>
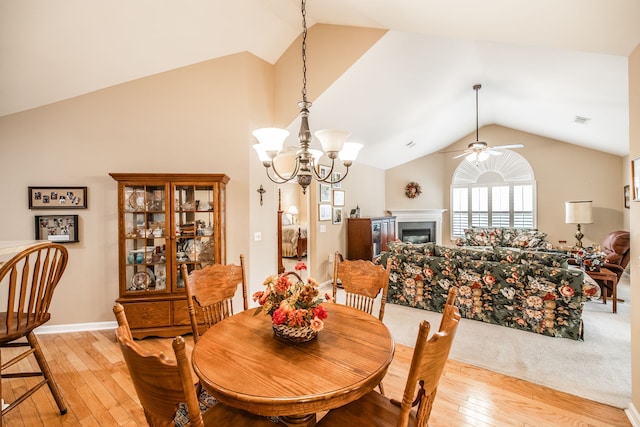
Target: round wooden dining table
<point>242,364</point>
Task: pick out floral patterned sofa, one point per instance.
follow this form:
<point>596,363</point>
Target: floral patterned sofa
<point>523,289</point>
<point>524,238</point>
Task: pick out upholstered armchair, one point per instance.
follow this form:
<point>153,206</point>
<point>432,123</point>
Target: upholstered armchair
<point>616,248</point>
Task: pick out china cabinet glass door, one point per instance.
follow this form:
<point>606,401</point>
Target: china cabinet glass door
<point>145,227</point>
<point>195,207</point>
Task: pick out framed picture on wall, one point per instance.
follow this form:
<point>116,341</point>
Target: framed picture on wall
<point>57,197</point>
<point>325,193</point>
<point>324,212</point>
<point>336,177</point>
<point>57,228</point>
<point>323,171</point>
<point>338,197</point>
<point>635,179</point>
<point>337,216</point>
<point>627,196</point>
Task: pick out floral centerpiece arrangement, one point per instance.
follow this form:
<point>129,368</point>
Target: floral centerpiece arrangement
<point>590,260</point>
<point>294,306</point>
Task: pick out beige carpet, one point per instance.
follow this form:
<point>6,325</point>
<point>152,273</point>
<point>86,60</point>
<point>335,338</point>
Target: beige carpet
<point>598,368</point>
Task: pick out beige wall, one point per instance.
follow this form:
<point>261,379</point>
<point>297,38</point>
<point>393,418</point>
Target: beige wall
<point>331,50</point>
<point>563,172</point>
<point>363,187</point>
<point>193,119</point>
<point>634,151</point>
<point>179,121</point>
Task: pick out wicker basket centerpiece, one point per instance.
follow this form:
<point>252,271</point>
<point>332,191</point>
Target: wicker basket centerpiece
<point>294,334</point>
<point>294,306</point>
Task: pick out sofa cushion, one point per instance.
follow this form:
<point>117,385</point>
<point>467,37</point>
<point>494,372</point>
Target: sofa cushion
<point>524,238</point>
<point>549,259</point>
<point>424,285</point>
<point>412,248</point>
<point>507,255</point>
<point>540,299</point>
<point>483,237</point>
<point>481,289</point>
<point>466,253</point>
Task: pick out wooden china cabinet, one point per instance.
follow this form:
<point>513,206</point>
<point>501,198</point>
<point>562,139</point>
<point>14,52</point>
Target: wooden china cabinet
<point>368,237</point>
<point>164,221</point>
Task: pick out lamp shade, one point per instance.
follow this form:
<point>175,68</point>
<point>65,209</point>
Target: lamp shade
<point>271,140</point>
<point>293,210</point>
<point>332,140</point>
<point>578,212</point>
<point>349,151</point>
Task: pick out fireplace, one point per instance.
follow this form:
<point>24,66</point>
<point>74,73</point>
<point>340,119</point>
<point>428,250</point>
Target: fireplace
<point>417,231</point>
<point>419,225</point>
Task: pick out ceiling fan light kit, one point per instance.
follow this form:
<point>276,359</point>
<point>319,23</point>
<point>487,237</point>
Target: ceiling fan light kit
<point>479,151</point>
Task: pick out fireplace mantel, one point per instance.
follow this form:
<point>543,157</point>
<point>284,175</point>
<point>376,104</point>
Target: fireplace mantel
<point>409,215</point>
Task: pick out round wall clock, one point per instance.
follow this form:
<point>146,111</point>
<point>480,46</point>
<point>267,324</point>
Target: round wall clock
<point>412,190</point>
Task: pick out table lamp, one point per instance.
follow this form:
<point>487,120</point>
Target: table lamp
<point>578,212</point>
<point>293,213</point>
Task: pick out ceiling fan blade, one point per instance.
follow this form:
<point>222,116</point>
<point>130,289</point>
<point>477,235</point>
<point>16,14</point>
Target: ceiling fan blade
<point>453,151</point>
<point>494,153</point>
<point>504,147</point>
<point>466,152</point>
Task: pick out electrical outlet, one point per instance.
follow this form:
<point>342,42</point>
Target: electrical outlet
<point>257,236</point>
<point>323,228</point>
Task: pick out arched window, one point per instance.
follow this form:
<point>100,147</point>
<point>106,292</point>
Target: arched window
<point>498,192</point>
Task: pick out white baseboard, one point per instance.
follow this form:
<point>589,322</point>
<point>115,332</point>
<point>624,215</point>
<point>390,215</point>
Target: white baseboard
<point>76,327</point>
<point>633,415</point>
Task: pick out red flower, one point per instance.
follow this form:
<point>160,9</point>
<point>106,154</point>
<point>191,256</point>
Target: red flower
<point>300,266</point>
<point>296,317</point>
<point>549,296</point>
<point>282,284</point>
<point>279,317</point>
<point>320,312</point>
<point>567,291</point>
<point>261,296</point>
<point>489,280</point>
<point>590,292</point>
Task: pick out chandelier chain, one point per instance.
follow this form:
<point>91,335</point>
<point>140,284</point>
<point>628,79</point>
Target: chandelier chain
<point>304,51</point>
<point>306,168</point>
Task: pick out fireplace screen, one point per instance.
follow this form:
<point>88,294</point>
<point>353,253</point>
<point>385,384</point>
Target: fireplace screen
<point>416,232</point>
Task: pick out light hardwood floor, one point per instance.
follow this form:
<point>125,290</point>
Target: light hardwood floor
<point>95,382</point>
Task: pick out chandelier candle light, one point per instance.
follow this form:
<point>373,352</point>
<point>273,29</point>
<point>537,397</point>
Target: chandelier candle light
<point>333,141</point>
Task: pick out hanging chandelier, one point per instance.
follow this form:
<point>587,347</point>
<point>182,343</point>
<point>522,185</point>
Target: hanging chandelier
<point>333,141</point>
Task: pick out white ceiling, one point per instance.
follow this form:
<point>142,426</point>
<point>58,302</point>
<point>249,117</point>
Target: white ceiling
<point>541,63</point>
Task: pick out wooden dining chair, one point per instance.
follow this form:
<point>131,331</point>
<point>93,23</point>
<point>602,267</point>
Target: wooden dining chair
<point>167,391</point>
<point>427,364</point>
<point>212,288</point>
<point>362,282</point>
<point>27,282</point>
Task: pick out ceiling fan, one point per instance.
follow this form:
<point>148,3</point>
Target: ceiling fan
<point>479,151</point>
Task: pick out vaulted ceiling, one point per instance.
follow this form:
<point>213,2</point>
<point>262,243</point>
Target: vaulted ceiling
<point>541,64</point>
